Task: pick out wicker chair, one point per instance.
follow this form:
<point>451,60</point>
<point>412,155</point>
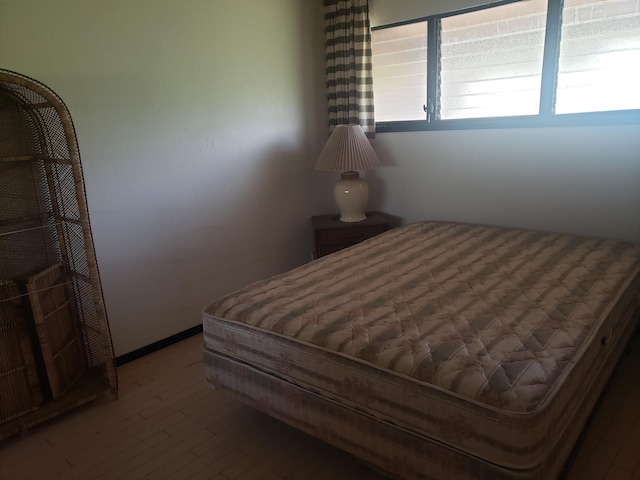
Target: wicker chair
<point>56,351</point>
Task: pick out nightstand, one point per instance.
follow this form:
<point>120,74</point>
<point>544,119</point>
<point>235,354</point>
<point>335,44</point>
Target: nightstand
<point>332,235</point>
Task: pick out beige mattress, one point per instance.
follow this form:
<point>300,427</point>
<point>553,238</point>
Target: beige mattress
<point>480,339</point>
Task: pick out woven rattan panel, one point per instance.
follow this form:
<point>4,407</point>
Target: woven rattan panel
<point>44,222</point>
<point>19,384</point>
<point>24,200</point>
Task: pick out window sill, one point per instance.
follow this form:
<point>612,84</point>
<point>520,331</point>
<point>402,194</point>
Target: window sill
<point>619,117</point>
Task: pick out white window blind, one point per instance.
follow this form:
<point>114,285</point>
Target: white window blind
<point>400,72</point>
<point>599,67</point>
<point>491,61</point>
<point>487,63</point>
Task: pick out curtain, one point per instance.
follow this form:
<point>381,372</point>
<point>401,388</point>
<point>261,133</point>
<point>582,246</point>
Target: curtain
<point>348,57</point>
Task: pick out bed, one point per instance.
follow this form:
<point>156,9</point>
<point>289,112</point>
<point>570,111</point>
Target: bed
<point>435,350</point>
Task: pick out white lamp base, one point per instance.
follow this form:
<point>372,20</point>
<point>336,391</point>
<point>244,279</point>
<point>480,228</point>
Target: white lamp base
<point>352,195</point>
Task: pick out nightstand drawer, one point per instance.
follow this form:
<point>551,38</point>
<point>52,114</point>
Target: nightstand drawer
<point>331,248</point>
<point>348,235</point>
<point>332,235</point>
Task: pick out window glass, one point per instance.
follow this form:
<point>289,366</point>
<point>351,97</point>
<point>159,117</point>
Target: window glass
<point>491,61</point>
<point>400,72</point>
<point>599,65</point>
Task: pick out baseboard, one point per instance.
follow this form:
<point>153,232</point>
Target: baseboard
<point>159,345</point>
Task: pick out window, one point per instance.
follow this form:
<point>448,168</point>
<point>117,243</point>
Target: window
<point>400,89</point>
<point>532,62</point>
<point>599,67</point>
<point>491,61</point>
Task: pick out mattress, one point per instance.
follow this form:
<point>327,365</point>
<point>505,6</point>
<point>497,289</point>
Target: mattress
<point>484,341</point>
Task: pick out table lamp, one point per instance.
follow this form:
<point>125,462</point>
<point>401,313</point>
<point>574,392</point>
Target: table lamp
<point>347,151</point>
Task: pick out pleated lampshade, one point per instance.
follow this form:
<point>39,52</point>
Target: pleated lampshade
<point>348,148</point>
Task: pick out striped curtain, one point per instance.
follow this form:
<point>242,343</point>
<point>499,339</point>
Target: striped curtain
<point>348,56</point>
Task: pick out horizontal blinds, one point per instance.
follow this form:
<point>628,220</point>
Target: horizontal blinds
<point>400,72</point>
<point>599,66</point>
<point>491,61</point>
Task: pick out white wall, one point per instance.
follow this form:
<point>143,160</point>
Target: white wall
<point>198,123</point>
<point>583,180</point>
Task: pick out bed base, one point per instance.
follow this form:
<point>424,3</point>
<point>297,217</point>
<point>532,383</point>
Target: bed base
<point>401,452</point>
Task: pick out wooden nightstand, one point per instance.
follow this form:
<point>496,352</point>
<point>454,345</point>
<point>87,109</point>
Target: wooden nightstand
<point>332,235</point>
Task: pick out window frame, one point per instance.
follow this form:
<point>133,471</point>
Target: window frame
<point>550,66</point>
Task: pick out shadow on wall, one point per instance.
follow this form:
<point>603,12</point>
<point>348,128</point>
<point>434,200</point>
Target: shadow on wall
<point>259,229</point>
<point>378,187</point>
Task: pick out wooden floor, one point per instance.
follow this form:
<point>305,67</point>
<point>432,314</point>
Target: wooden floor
<point>168,424</point>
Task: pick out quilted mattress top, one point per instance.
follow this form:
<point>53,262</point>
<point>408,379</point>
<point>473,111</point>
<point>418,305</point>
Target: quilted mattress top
<point>494,315</point>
